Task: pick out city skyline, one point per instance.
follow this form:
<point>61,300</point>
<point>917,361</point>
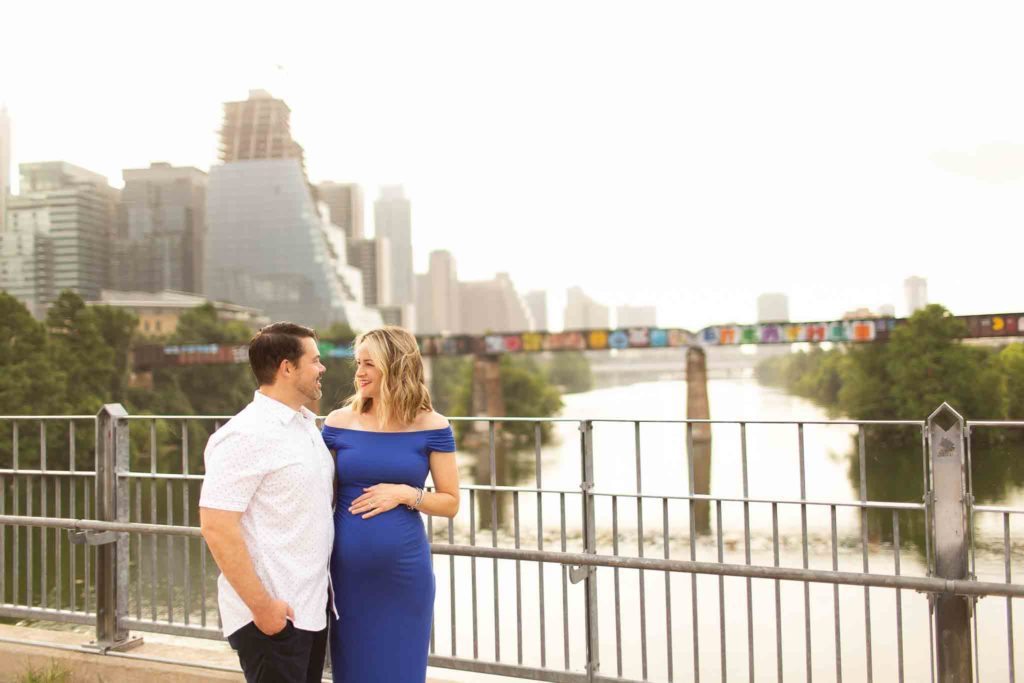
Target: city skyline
<point>764,176</point>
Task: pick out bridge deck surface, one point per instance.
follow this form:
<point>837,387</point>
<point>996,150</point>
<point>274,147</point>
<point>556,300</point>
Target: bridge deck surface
<point>23,649</point>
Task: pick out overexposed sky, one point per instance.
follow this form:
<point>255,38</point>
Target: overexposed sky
<point>682,154</point>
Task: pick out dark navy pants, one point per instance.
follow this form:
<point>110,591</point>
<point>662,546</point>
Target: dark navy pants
<point>291,656</point>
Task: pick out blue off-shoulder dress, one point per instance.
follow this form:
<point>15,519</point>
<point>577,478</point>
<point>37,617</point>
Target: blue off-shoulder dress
<point>380,567</point>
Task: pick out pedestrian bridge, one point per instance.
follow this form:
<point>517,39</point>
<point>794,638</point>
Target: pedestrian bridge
<point>628,574</point>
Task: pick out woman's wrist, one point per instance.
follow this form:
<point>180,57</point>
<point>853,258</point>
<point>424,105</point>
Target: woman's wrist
<point>411,493</point>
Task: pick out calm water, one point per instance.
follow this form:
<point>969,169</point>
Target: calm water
<point>832,474</point>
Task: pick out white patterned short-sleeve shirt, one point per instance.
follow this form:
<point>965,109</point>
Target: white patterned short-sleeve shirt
<point>270,463</point>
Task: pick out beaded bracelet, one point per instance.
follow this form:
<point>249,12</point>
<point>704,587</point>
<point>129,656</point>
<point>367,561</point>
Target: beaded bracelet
<point>419,499</point>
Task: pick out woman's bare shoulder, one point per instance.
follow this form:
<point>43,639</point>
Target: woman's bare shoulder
<point>432,420</point>
<point>342,417</point>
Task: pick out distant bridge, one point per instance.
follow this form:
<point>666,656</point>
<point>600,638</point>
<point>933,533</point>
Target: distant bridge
<point>149,356</point>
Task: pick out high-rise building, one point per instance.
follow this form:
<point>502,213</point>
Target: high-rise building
<point>773,308</point>
<point>160,230</point>
<point>5,163</point>
<point>258,128</point>
<point>636,316</point>
<point>492,306</point>
<point>537,302</point>
<point>345,200</point>
<point>392,216</point>
<point>373,258</point>
<point>916,290</point>
<point>58,234</point>
<point>582,312</point>
<point>443,283</point>
<point>269,244</point>
<point>268,247</point>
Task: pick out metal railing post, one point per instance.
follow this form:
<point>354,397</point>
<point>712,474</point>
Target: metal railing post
<point>948,503</point>
<point>112,555</point>
<point>590,546</point>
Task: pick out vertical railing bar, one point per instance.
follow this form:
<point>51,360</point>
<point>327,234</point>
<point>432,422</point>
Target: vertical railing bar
<point>803,536</point>
<point>929,560</point>
<point>668,592</point>
<point>153,502</point>
<point>15,531</point>
<point>72,511</point>
<point>721,587</point>
<point>433,620</point>
<point>493,495</point>
<point>640,550</point>
<point>472,570</point>
<point>778,596</point>
<point>537,436</point>
<point>139,553</point>
<point>185,542</point>
<point>58,543</point>
<point>746,552</point>
<point>693,556</point>
<point>29,564</point>
<point>451,584</point>
<point>72,552</point>
<point>44,559</point>
<point>87,495</point>
<point>519,583</point>
<point>835,596</point>
<point>170,554</point>
<point>615,575</point>
<point>565,584</point>
<point>3,539</point>
<point>862,451</point>
<point>899,599</point>
<point>1009,601</point>
<point>152,446</point>
<point>970,532</point>
<point>589,518</point>
<point>185,503</point>
<point>202,582</point>
<point>929,556</point>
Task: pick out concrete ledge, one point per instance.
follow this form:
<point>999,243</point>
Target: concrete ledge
<point>160,659</point>
<point>36,648</point>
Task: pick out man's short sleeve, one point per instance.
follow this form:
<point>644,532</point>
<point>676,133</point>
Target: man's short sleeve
<point>235,466</point>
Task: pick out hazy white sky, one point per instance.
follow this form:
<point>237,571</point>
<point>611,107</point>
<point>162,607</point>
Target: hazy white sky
<point>688,155</point>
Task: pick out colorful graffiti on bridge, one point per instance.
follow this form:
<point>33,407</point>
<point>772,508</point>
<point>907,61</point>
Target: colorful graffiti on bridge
<point>836,331</point>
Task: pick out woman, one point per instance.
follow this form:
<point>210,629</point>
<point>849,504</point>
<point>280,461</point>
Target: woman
<point>385,440</point>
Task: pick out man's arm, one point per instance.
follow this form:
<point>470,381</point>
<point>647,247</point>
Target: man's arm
<point>223,533</point>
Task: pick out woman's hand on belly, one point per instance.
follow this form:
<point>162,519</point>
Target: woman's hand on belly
<point>381,498</point>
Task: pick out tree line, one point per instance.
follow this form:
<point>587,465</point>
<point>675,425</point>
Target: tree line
<point>924,363</point>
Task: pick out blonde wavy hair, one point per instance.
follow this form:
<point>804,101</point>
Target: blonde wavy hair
<point>403,387</point>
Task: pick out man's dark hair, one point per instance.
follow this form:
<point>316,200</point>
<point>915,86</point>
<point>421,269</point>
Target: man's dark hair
<point>274,343</point>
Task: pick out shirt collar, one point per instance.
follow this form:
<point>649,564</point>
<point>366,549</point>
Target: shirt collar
<point>279,410</point>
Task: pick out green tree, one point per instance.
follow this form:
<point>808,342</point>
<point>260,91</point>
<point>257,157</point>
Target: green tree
<point>117,327</point>
<point>77,345</point>
<point>1012,358</point>
<point>928,364</point>
<point>31,382</point>
<point>211,389</point>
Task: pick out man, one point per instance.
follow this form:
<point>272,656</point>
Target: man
<point>265,511</point>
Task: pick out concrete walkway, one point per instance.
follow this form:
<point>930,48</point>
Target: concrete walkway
<point>23,649</point>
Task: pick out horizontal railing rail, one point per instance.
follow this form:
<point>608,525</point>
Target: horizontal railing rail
<point>565,564</point>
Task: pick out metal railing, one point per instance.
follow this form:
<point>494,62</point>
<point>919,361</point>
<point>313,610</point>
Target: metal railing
<point>616,570</point>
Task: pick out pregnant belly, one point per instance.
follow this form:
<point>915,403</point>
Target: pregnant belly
<point>392,542</point>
